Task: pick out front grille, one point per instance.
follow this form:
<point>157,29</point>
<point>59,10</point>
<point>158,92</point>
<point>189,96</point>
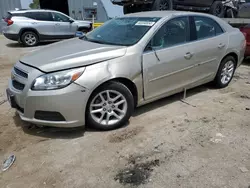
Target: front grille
<point>20,72</point>
<point>17,85</point>
<point>49,116</point>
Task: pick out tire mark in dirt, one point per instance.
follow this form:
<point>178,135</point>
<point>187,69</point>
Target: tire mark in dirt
<point>125,134</point>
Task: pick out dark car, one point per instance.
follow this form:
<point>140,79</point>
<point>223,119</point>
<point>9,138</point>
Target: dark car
<point>214,7</point>
<point>244,11</point>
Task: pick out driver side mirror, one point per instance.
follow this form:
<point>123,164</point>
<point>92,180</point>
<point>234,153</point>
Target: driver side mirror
<point>71,21</point>
<point>149,47</point>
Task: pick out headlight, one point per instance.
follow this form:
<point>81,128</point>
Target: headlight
<point>57,80</point>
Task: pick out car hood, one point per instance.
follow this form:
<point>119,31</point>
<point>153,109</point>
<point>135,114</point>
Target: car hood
<point>70,54</point>
<point>82,23</point>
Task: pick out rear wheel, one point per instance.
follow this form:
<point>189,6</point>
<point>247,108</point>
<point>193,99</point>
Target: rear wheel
<point>163,5</point>
<point>110,106</point>
<point>29,39</point>
<point>217,9</point>
<point>130,9</point>
<point>226,72</point>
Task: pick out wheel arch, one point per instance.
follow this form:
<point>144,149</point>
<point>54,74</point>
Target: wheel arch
<point>127,82</point>
<point>23,30</point>
<point>234,55</point>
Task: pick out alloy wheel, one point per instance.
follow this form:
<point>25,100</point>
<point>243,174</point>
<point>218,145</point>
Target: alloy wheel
<point>227,72</point>
<point>218,10</point>
<point>164,5</point>
<point>108,107</point>
<point>30,39</point>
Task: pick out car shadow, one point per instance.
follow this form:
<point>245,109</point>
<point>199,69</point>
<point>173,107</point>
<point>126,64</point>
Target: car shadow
<point>49,132</point>
<point>171,99</point>
<point>71,133</point>
<point>19,45</point>
<point>246,61</point>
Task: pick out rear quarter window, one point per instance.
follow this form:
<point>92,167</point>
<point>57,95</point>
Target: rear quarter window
<point>40,16</point>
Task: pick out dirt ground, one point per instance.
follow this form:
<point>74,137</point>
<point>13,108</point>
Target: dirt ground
<point>203,143</point>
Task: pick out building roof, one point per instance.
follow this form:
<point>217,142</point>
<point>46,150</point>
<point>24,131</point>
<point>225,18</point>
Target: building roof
<point>112,10</point>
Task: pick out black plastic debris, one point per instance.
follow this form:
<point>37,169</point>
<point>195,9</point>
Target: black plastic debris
<point>8,162</point>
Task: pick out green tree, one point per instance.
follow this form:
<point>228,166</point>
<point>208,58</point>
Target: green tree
<point>35,4</point>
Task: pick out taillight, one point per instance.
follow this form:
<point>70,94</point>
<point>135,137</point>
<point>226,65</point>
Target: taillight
<point>9,22</point>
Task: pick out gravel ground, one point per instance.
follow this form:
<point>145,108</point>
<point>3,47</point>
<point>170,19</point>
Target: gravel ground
<point>202,143</point>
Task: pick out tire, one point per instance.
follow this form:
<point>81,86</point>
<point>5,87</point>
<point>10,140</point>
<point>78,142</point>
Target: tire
<point>221,71</point>
<point>129,9</point>
<point>230,13</point>
<point>84,30</point>
<point>99,109</point>
<point>217,9</point>
<point>34,40</point>
<point>163,5</point>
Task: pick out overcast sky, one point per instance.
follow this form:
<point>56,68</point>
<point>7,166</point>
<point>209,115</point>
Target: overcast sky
<point>26,3</point>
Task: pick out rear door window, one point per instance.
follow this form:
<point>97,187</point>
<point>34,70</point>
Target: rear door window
<point>41,16</point>
<point>206,27</point>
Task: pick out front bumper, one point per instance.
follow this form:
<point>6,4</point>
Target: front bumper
<point>70,102</point>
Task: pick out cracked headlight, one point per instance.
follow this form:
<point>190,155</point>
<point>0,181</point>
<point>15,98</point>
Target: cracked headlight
<point>57,80</point>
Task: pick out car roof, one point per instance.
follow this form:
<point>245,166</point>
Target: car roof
<point>169,14</point>
<point>30,10</point>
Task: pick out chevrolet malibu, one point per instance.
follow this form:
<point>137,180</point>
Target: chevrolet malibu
<point>98,79</point>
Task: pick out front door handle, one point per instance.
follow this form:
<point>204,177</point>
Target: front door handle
<point>57,24</point>
<point>220,46</point>
<point>188,55</point>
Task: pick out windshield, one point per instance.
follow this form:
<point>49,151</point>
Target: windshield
<point>125,31</point>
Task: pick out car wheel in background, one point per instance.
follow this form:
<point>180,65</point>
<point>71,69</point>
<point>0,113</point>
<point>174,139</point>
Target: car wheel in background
<point>226,72</point>
<point>163,5</point>
<point>130,9</point>
<point>29,39</point>
<point>110,106</point>
<point>217,9</point>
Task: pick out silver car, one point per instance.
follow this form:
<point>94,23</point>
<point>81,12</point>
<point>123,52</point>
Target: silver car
<point>33,26</point>
<point>100,78</point>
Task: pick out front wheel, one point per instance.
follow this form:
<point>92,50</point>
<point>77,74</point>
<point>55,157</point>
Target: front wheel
<point>110,106</point>
<point>226,72</point>
<point>217,9</point>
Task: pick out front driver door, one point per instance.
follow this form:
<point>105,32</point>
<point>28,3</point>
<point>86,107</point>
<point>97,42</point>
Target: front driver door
<point>63,27</point>
<point>168,62</point>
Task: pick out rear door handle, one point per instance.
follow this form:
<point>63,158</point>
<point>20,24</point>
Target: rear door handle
<point>57,24</point>
<point>188,55</point>
<point>221,46</point>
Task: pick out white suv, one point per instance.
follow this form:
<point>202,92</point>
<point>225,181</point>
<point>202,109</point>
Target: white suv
<point>33,26</point>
